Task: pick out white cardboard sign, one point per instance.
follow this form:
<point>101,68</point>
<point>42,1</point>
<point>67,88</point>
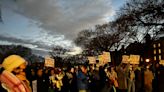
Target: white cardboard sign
<point>49,62</point>
<point>92,60</point>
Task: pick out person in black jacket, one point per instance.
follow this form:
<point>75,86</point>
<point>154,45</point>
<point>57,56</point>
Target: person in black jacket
<point>42,81</point>
<point>70,81</point>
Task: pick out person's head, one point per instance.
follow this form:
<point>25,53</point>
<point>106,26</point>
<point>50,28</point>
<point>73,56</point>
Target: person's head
<point>40,72</point>
<point>72,70</point>
<point>83,69</point>
<point>14,63</point>
<point>157,65</point>
<point>52,72</point>
<point>109,69</point>
<point>112,68</point>
<point>147,67</point>
<point>32,72</point>
<point>59,70</point>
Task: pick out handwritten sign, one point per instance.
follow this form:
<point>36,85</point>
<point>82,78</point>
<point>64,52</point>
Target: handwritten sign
<point>92,60</point>
<point>134,59</point>
<point>161,62</point>
<point>125,59</point>
<point>101,60</point>
<point>49,62</point>
<point>106,57</point>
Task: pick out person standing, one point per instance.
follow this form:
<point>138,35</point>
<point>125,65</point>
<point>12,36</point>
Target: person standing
<point>69,81</point>
<point>52,81</point>
<point>103,78</point>
<point>59,77</point>
<point>131,80</point>
<point>41,81</point>
<point>73,87</point>
<point>122,73</point>
<point>82,79</point>
<point>148,78</point>
<point>138,79</point>
<point>112,79</point>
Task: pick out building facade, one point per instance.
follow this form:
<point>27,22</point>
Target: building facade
<point>158,49</point>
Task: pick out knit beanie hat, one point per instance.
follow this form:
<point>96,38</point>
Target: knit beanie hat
<point>12,61</point>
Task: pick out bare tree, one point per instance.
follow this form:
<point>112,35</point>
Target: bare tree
<point>58,51</point>
<point>142,15</point>
<point>101,38</point>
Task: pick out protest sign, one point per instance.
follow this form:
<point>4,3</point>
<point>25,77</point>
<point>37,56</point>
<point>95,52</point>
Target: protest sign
<point>101,60</point>
<point>106,57</point>
<point>49,62</point>
<point>134,59</point>
<point>92,60</point>
<point>161,62</point>
<point>125,59</point>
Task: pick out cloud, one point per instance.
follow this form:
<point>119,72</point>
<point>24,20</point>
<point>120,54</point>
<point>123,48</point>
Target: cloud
<point>74,51</point>
<point>39,44</point>
<point>12,39</point>
<point>4,40</point>
<point>65,17</point>
<point>60,20</point>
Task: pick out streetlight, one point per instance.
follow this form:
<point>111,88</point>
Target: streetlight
<point>147,60</point>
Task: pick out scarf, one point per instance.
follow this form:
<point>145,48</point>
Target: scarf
<point>11,83</point>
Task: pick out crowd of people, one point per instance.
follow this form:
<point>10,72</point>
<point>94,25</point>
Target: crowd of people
<point>15,76</point>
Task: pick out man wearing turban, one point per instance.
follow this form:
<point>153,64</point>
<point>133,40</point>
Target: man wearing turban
<point>12,77</point>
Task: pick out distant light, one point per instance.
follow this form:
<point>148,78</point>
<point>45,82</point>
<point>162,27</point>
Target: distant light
<point>147,60</point>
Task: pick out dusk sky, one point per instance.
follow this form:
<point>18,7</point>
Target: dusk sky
<point>42,24</point>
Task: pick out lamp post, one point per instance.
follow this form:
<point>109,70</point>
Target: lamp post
<point>147,60</point>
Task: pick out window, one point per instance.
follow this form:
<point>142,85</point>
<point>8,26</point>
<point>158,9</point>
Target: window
<point>159,51</point>
<point>159,45</point>
<point>154,52</point>
<point>159,57</point>
<point>155,58</point>
<point>154,45</point>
